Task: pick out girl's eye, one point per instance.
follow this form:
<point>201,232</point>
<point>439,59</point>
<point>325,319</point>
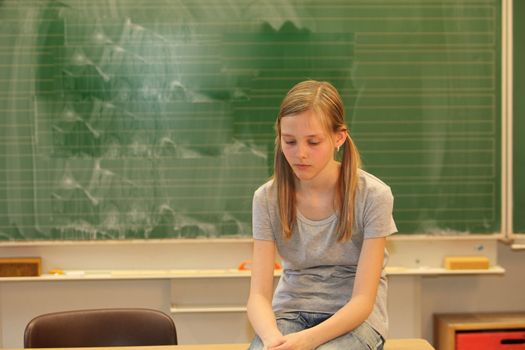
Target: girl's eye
<point>290,142</point>
<point>313,143</point>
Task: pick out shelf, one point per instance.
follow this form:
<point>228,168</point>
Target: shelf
<point>437,271</point>
<point>136,274</point>
<point>518,246</point>
<point>226,273</point>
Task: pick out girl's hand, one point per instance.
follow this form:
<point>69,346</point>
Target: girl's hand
<point>274,341</point>
<point>295,341</point>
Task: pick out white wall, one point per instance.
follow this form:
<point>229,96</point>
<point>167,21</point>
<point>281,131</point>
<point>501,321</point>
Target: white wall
<point>476,293</point>
<point>413,299</point>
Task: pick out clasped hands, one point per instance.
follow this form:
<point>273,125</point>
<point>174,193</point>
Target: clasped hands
<point>294,341</point>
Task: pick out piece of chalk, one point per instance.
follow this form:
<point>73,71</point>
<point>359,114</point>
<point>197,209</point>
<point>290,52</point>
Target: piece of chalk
<point>74,273</point>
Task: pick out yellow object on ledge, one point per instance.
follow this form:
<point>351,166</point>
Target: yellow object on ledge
<point>467,263</point>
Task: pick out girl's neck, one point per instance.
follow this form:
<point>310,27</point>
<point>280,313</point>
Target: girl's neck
<point>326,181</point>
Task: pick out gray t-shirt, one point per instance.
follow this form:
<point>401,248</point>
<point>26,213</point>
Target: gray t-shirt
<point>318,272</point>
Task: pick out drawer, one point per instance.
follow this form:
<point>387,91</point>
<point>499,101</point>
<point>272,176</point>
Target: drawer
<point>491,340</point>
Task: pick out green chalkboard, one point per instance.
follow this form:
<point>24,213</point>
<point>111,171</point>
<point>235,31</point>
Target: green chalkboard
<point>134,119</point>
<point>518,117</point>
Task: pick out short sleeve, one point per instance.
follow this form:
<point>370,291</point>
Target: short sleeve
<point>261,222</point>
<point>378,219</point>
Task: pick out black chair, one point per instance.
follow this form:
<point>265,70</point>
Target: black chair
<point>100,327</point>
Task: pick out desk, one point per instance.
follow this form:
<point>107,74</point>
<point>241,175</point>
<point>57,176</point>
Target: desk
<point>391,344</point>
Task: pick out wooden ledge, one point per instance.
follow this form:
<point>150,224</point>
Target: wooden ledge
<point>407,344</point>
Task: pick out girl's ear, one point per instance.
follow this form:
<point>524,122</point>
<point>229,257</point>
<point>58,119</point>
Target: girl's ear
<point>340,138</point>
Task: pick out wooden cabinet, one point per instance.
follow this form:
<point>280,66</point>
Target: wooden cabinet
<point>448,327</point>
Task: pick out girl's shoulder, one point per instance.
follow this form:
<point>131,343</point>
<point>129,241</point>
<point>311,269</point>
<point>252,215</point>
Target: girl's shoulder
<point>371,186</point>
<point>265,187</point>
<point>266,192</point>
<point>265,201</point>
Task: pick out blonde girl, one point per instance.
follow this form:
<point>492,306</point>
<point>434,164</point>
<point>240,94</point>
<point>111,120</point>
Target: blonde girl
<point>328,221</point>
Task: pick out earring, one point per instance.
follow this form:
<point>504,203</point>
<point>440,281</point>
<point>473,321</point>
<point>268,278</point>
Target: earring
<point>338,147</point>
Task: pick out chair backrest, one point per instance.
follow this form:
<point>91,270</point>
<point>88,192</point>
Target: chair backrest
<point>100,327</point>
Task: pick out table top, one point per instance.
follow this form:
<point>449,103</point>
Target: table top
<point>391,344</point>
<point>407,344</point>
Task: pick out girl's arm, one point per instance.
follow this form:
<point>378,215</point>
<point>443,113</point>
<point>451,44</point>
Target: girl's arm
<point>356,311</point>
<point>260,311</point>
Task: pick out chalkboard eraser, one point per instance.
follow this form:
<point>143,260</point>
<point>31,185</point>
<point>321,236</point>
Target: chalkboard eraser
<point>20,267</point>
<point>466,263</point>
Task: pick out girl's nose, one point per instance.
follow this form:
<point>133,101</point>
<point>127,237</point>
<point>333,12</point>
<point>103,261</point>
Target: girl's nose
<point>301,151</point>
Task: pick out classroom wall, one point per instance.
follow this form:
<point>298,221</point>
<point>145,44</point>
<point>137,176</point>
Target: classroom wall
<point>413,298</point>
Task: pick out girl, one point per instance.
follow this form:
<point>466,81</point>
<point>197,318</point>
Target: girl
<point>328,221</point>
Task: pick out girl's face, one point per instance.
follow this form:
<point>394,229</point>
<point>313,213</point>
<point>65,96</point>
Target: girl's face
<point>307,146</point>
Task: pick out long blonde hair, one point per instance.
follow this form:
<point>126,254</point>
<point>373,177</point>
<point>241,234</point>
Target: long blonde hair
<point>322,98</point>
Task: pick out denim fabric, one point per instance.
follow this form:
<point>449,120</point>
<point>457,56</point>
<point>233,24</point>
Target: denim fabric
<point>363,337</point>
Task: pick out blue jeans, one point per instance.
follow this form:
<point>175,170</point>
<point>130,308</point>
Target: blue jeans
<point>363,337</point>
